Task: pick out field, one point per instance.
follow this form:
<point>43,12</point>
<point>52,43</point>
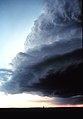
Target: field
<point>41,112</point>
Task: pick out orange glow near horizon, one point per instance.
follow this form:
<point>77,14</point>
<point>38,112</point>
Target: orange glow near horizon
<point>29,100</point>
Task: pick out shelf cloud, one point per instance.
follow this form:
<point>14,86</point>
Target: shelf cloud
<point>52,61</point>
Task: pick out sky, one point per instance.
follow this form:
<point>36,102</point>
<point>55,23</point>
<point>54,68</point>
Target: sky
<point>43,43</point>
<point>30,100</point>
<point>16,20</point>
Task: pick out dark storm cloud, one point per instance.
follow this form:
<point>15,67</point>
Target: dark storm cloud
<point>52,61</point>
<point>65,82</point>
<point>61,75</point>
<point>69,100</point>
<point>5,75</point>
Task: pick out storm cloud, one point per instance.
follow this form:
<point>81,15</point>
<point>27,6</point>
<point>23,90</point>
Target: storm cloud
<point>52,61</point>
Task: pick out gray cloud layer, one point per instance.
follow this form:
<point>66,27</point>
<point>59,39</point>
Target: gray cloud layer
<point>52,60</point>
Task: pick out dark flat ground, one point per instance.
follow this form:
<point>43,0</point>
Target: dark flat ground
<point>40,112</point>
